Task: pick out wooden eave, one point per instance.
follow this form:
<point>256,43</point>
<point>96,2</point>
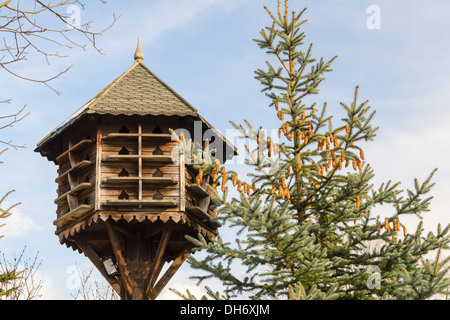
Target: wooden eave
<point>67,232</point>
<point>132,106</point>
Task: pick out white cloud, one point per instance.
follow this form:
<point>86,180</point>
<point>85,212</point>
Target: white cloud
<point>18,225</point>
<point>412,151</point>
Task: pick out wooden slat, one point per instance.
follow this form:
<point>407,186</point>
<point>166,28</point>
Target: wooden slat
<point>197,190</point>
<point>79,166</point>
<point>149,203</point>
<point>127,157</point>
<point>199,213</point>
<point>149,146</point>
<point>117,146</point>
<point>73,215</point>
<point>155,180</point>
<point>163,136</point>
<point>202,216</point>
<point>78,188</point>
<point>75,147</point>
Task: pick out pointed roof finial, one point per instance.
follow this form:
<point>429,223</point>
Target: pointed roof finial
<point>139,54</point>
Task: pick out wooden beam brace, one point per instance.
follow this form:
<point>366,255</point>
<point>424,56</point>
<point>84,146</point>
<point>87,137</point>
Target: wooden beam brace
<point>176,264</point>
<point>126,232</point>
<point>74,157</point>
<point>157,263</point>
<point>118,252</point>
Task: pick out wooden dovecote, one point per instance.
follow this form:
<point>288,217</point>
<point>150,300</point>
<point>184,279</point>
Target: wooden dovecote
<point>121,192</point>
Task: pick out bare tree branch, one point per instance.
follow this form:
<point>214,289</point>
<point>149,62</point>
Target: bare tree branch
<point>26,30</point>
<point>30,28</point>
<point>9,121</point>
<point>23,282</point>
<point>93,288</point>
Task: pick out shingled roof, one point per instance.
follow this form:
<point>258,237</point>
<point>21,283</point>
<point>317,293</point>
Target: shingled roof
<point>137,91</point>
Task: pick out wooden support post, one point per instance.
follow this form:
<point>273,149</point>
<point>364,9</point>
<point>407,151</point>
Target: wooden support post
<point>98,166</point>
<point>182,182</point>
<point>140,162</point>
<point>157,263</point>
<point>118,252</point>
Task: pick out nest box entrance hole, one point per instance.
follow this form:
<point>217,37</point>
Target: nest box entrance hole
<point>158,173</point>
<point>124,129</point>
<point>157,130</point>
<point>157,196</point>
<point>124,151</point>
<point>123,195</point>
<point>124,173</point>
<point>157,152</point>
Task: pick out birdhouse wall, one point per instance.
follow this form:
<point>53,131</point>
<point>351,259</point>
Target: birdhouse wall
<point>137,172</point>
<point>122,166</point>
<point>76,171</point>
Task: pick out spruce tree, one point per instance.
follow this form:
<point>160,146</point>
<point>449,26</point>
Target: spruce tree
<point>307,218</point>
<point>7,276</point>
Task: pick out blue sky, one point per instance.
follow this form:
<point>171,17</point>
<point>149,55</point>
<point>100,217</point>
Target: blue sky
<point>204,50</point>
